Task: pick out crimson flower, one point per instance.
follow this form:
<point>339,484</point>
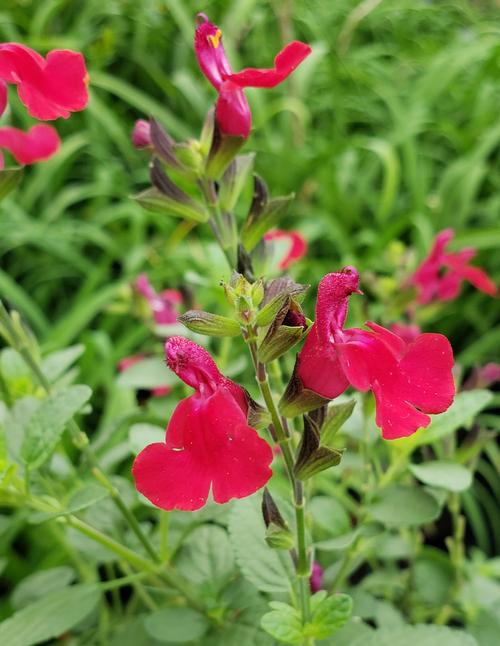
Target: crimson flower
<point>232,109</point>
<point>440,275</point>
<point>38,144</point>
<point>49,87</point>
<point>408,380</point>
<point>208,443</point>
<point>296,246</point>
<point>163,305</point>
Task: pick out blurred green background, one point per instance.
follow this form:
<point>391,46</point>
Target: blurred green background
<point>389,132</point>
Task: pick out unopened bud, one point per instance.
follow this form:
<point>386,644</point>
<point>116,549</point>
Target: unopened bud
<point>210,324</point>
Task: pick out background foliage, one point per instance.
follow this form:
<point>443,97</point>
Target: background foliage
<point>387,134</point>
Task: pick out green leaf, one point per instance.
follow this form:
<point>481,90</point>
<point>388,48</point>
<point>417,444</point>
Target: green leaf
<point>254,229</point>
<point>45,427</point>
<point>485,626</point>
<point>207,558</point>
<point>85,497</point>
<point>419,635</point>
<point>176,625</point>
<point>140,435</point>
<point>433,577</point>
<point>268,570</point>
<point>283,623</point>
<point>447,475</point>
<point>9,179</point>
<point>329,616</point>
<point>50,616</point>
<point>148,373</point>
<point>461,413</point>
<point>40,584</point>
<point>401,505</point>
<point>56,364</point>
<point>330,515</point>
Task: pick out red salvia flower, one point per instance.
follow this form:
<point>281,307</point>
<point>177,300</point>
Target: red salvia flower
<point>440,275</point>
<point>208,444</point>
<point>408,380</point>
<point>38,144</point>
<point>50,87</point>
<point>163,305</point>
<point>297,246</point>
<point>232,110</point>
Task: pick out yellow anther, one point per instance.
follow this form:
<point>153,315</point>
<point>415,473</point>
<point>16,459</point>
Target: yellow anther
<point>215,39</point>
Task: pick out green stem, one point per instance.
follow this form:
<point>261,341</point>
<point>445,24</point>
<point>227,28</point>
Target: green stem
<point>225,231</point>
<point>282,437</point>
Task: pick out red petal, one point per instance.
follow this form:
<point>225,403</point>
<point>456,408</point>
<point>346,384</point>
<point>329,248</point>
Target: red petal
<point>38,144</point>
<point>331,306</point>
<point>232,111</point>
<point>208,442</point>
<point>479,279</point>
<point>210,52</point>
<point>284,64</point>
<point>3,97</point>
<point>50,88</point>
<point>297,246</point>
<point>319,367</point>
<point>427,368</point>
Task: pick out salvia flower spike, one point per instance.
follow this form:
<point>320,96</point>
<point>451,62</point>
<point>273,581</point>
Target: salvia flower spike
<point>209,444</point>
<point>232,110</point>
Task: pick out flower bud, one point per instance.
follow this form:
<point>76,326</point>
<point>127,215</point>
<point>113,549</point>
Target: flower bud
<point>278,534</point>
<point>141,134</point>
<point>313,456</point>
<point>288,327</point>
<point>209,324</point>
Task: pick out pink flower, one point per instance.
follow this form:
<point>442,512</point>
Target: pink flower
<point>408,380</point>
<point>316,578</point>
<point>483,376</point>
<point>208,444</point>
<point>39,143</point>
<point>141,134</point>
<point>232,109</point>
<point>164,305</point>
<point>407,331</point>
<point>49,87</point>
<point>128,362</point>
<point>440,275</point>
<point>297,246</point>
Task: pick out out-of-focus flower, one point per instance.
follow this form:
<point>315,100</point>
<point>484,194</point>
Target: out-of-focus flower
<point>163,305</point>
<point>407,331</point>
<point>141,134</point>
<point>232,109</point>
<point>128,362</point>
<point>440,275</point>
<point>38,144</point>
<point>483,376</point>
<point>316,578</point>
<point>296,246</point>
<point>209,444</point>
<point>408,380</point>
<point>50,87</point>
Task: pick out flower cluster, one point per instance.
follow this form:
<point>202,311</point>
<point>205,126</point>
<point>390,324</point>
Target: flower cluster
<point>50,88</point>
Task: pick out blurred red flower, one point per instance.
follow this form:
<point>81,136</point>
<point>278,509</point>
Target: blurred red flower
<point>297,246</point>
<point>163,305</point>
<point>440,275</point>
